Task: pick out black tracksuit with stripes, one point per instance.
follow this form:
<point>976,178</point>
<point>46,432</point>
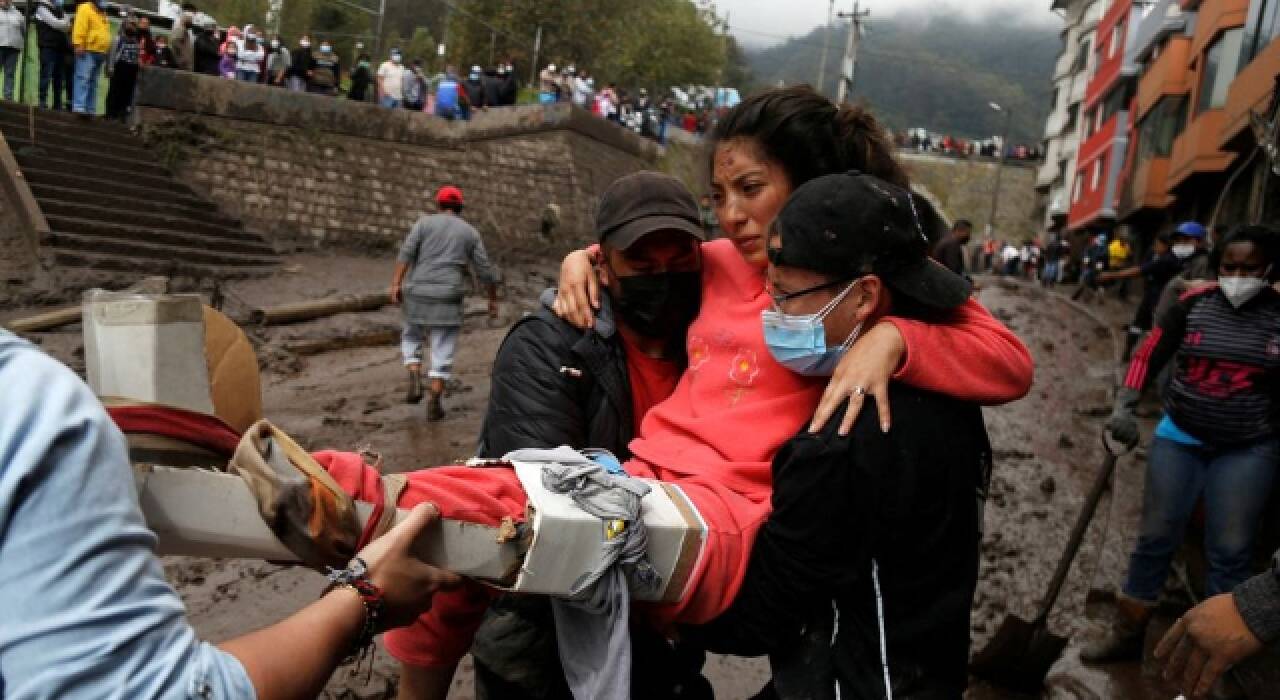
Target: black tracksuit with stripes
<point>1225,388</point>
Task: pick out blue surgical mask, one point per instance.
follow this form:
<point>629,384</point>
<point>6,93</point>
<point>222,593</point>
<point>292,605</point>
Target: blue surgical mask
<point>799,342</point>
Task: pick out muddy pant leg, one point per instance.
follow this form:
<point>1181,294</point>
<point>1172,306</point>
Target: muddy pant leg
<point>411,340</point>
<point>442,636</point>
<point>444,343</point>
<point>1175,478</point>
<point>1239,484</point>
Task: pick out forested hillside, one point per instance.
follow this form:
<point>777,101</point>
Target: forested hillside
<point>937,72</point>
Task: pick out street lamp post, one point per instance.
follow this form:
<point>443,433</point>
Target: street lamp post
<point>1004,149</point>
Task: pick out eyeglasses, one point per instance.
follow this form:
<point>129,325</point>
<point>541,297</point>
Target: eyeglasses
<point>780,299</point>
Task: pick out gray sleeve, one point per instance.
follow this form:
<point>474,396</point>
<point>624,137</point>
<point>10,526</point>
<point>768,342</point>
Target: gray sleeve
<point>1258,600</point>
<point>409,249</point>
<point>43,14</point>
<point>480,262</point>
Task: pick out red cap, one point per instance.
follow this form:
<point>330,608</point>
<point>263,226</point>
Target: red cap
<point>449,195</point>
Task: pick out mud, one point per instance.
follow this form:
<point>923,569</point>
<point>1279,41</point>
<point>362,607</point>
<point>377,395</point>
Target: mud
<point>1047,448</point>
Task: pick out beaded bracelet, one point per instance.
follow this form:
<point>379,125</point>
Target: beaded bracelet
<point>356,577</point>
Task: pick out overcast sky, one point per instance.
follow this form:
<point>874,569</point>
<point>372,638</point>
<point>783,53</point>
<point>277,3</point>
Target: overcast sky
<point>764,22</point>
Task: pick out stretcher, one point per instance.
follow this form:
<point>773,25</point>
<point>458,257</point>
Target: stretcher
<point>170,350</point>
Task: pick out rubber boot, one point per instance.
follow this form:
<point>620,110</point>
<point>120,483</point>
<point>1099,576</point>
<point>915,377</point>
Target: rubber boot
<point>414,395</point>
<point>1124,638</point>
<point>435,411</point>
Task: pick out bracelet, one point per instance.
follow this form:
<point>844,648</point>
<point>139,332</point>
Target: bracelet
<point>356,577</point>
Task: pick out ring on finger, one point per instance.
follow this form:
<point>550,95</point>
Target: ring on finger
<point>859,391</point>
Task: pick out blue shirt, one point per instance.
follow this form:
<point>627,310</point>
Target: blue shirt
<point>447,94</point>
<point>85,611</point>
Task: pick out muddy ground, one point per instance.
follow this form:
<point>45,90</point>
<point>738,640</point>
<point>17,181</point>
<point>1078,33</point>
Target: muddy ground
<point>1046,452</point>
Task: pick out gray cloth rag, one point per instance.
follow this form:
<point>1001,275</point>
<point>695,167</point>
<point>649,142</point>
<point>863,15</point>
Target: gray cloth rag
<point>592,625</point>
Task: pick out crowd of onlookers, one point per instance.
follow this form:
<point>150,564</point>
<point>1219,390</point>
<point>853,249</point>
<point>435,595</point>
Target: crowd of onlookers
<point>924,141</point>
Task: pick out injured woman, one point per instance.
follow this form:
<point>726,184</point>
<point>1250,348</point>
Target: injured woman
<point>879,527</point>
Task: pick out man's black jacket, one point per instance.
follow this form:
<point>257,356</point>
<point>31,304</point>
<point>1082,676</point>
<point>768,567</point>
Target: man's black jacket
<point>911,501</point>
<point>555,385</point>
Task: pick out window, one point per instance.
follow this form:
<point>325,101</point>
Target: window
<point>1073,115</point>
<point>1219,68</point>
<point>1116,101</point>
<point>1082,58</point>
<point>1261,29</point>
<point>1077,192</point>
<point>1097,173</point>
<point>1159,128</point>
<point>1117,39</point>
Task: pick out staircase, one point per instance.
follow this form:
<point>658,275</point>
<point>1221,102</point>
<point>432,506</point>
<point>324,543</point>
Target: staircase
<point>112,207</point>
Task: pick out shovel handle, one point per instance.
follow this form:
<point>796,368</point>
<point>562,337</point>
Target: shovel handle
<point>1077,535</point>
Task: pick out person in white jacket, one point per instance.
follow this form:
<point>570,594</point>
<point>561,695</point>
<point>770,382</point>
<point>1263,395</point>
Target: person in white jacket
<point>12,36</point>
<point>249,58</point>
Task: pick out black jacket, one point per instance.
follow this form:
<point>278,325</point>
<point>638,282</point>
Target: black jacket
<point>206,53</point>
<point>509,90</point>
<point>911,500</point>
<point>553,385</point>
<point>492,89</point>
<point>475,93</point>
<point>49,38</point>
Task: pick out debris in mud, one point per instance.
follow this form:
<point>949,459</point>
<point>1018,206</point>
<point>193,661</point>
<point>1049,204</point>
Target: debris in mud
<point>1048,486</point>
<point>1065,442</point>
<point>335,405</point>
<point>1094,411</point>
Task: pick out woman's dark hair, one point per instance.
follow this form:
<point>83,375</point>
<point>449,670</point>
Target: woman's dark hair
<point>809,136</point>
<point>1267,240</point>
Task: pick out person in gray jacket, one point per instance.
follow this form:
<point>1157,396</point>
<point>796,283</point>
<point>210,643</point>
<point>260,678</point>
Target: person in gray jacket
<point>433,256</point>
<point>1223,631</point>
<point>12,36</point>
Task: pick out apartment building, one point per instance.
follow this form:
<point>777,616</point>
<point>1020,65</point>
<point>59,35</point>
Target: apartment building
<point>1200,139</point>
<point>1071,75</point>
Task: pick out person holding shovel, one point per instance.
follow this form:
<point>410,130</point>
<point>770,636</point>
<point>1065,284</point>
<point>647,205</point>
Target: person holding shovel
<point>429,284</point>
<point>1218,438</point>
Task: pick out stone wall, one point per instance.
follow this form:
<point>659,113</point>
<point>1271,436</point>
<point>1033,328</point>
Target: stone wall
<point>963,189</point>
<point>310,171</point>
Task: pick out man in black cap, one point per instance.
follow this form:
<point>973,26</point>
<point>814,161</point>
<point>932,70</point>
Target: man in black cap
<point>864,572</point>
<point>553,384</point>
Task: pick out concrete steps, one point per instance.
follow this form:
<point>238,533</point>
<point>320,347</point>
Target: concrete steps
<point>111,206</point>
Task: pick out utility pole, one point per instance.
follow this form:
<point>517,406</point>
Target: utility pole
<point>1004,150</point>
<point>844,92</point>
<point>377,40</point>
<point>537,46</point>
<point>826,44</point>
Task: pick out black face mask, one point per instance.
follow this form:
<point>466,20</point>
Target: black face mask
<point>660,305</point>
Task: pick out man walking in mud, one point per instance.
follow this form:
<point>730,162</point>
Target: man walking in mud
<point>429,283</point>
<point>553,384</point>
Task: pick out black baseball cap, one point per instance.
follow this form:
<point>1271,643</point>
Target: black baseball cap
<point>855,224</point>
<point>644,202</point>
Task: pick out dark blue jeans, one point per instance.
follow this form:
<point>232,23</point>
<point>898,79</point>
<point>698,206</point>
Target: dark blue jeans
<point>1236,483</point>
<point>56,69</point>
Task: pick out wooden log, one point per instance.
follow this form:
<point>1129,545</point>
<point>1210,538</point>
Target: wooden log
<point>71,314</point>
<point>308,310</point>
<point>364,339</point>
<point>45,321</point>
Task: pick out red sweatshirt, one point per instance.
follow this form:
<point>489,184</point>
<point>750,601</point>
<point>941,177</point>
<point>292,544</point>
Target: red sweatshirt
<point>716,437</point>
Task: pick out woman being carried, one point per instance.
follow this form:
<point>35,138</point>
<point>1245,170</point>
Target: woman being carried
<point>735,405</point>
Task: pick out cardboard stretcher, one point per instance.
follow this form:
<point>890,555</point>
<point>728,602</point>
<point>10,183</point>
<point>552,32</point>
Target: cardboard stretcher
<point>206,513</point>
<point>169,349</point>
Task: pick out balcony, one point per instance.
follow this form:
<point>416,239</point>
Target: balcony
<point>1164,19</point>
<point>1251,90</point>
<point>1147,188</point>
<point>1167,75</point>
<point>1196,149</point>
<point>1216,16</point>
<point>1110,51</point>
<point>1100,141</point>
